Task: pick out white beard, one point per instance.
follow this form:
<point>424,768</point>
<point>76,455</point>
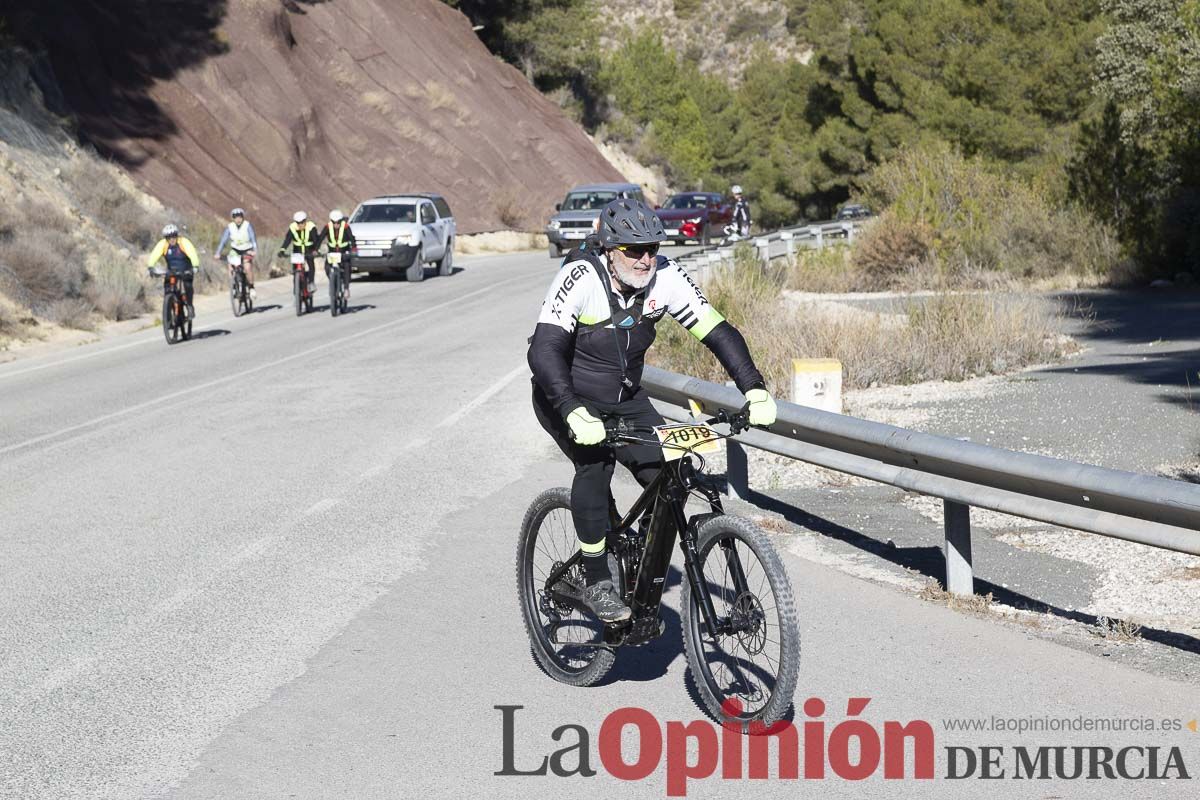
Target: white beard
<point>630,276</point>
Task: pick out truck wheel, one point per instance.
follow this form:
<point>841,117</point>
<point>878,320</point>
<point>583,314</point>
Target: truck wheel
<point>555,251</point>
<point>446,265</point>
<point>417,271</point>
<point>704,240</point>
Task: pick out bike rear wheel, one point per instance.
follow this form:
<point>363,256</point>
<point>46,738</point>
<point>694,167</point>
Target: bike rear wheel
<point>561,637</point>
<point>756,661</point>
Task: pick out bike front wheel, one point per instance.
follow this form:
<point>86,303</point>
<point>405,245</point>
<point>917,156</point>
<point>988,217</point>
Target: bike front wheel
<point>169,325</point>
<point>565,642</point>
<point>746,670</point>
<point>298,291</point>
<point>235,295</point>
<point>335,292</point>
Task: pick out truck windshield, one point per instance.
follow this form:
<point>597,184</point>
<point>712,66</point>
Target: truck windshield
<point>585,201</point>
<point>687,201</point>
<point>389,212</point>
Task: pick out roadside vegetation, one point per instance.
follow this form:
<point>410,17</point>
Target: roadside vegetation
<point>950,335</point>
<point>73,246</point>
<point>1077,120</point>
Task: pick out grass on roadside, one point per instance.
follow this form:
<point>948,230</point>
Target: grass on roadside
<point>948,336</point>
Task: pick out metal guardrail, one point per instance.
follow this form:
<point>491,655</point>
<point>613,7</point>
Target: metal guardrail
<point>1126,505</point>
<point>778,243</point>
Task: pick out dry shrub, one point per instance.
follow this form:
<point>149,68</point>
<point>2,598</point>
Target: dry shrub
<point>829,269</point>
<point>981,220</point>
<point>118,290</point>
<point>439,97</point>
<point>98,192</point>
<point>890,248</point>
<point>42,266</point>
<point>511,209</point>
<point>44,215</point>
<point>71,312</point>
<point>949,336</point>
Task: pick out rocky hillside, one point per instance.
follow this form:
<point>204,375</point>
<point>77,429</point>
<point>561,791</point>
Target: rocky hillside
<point>278,105</point>
<point>721,36</point>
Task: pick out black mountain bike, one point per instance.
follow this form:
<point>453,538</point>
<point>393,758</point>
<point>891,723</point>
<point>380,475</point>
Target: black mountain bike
<point>239,289</point>
<point>338,295</point>
<point>738,615</point>
<point>175,324</point>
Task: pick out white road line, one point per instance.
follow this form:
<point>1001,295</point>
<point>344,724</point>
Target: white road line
<point>254,370</point>
<point>488,394</point>
<point>101,352</point>
<point>321,505</point>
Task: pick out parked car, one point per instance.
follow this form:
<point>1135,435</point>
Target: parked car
<point>403,232</point>
<point>852,211</point>
<point>575,217</point>
<point>695,215</point>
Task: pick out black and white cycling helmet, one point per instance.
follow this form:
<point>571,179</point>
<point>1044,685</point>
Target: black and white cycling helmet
<point>170,229</point>
<point>629,221</point>
<point>735,189</point>
<point>237,212</point>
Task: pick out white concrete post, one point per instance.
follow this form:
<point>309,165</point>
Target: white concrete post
<point>787,240</point>
<point>960,579</point>
<point>817,383</point>
<point>764,251</point>
<point>817,234</point>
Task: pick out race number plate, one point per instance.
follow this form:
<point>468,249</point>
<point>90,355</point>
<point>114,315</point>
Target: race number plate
<point>297,258</point>
<point>696,438</point>
<point>334,258</point>
<point>235,259</point>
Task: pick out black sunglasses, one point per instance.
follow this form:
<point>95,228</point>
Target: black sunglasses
<point>638,251</point>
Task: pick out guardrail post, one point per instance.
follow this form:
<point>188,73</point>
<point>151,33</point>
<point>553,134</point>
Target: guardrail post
<point>737,467</point>
<point>960,579</point>
<point>818,235</point>
<point>848,229</point>
<point>787,240</point>
<point>764,251</point>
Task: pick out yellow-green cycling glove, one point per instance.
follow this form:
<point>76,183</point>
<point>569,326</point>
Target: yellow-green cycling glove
<point>762,407</point>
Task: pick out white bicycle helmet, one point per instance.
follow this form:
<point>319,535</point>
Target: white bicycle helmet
<point>170,229</point>
<point>735,189</point>
<point>237,212</point>
<point>336,215</point>
<point>299,217</point>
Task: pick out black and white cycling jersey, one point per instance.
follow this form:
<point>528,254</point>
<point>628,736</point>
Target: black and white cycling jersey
<point>590,341</point>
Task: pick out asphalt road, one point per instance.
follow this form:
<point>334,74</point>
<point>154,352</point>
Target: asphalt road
<point>278,562</point>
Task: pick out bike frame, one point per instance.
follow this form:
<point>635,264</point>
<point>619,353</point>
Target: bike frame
<point>665,497</point>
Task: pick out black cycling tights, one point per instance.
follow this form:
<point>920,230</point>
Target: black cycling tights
<point>590,491</point>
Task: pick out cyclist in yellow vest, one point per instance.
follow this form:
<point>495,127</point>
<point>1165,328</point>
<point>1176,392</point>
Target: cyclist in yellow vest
<point>303,237</point>
<point>338,238</point>
<point>239,235</point>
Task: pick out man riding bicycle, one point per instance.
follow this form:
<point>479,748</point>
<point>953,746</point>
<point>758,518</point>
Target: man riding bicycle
<point>338,238</point>
<point>302,237</point>
<point>587,354</point>
<point>182,259</point>
<point>239,235</point>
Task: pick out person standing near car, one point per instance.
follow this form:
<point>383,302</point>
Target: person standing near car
<point>338,238</point>
<point>302,237</point>
<point>741,212</point>
<point>239,235</point>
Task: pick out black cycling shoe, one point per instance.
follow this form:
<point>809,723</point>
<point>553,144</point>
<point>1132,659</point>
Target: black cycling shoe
<point>605,603</point>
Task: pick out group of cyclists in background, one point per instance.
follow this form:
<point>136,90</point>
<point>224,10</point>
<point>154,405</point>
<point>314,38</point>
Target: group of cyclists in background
<point>302,242</point>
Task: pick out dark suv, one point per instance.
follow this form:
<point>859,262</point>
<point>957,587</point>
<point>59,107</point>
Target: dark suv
<point>575,217</point>
<point>695,215</point>
<point>852,211</point>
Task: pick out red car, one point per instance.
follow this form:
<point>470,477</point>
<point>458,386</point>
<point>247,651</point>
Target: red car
<point>695,215</point>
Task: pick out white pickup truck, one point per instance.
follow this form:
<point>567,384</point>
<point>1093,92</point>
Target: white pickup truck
<point>403,232</point>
